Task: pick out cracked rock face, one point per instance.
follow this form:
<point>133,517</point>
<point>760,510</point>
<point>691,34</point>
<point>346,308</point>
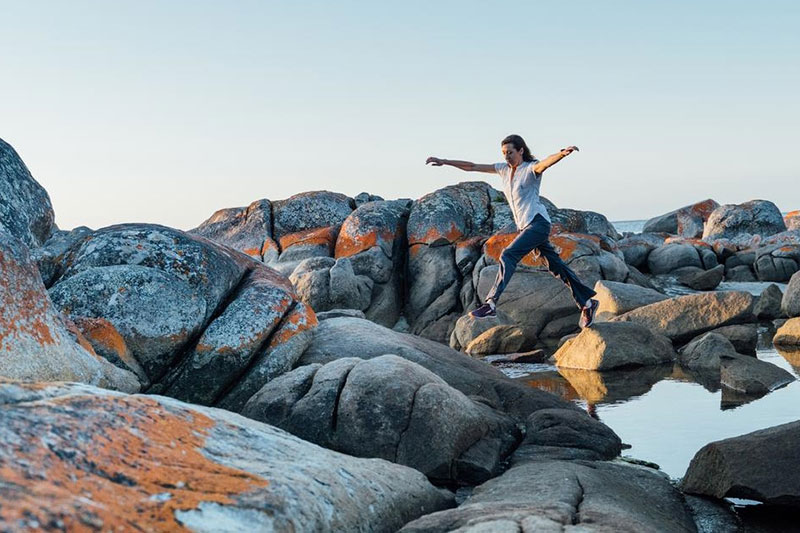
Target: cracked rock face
<point>25,209</point>
<point>687,221</point>
<point>75,457</point>
<point>390,408</point>
<point>205,323</point>
<point>35,343</point>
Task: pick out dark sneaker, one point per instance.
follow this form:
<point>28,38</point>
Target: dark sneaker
<point>587,313</point>
<point>486,310</point>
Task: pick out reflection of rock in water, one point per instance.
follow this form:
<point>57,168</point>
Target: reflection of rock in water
<point>614,386</point>
<point>731,399</point>
<point>554,383</point>
<point>792,356</point>
<point>708,378</point>
<point>766,332</point>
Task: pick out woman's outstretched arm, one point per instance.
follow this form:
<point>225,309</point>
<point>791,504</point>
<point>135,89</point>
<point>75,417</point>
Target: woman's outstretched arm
<point>463,165</point>
<point>551,160</point>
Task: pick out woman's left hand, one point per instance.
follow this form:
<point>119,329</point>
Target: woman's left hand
<point>569,150</point>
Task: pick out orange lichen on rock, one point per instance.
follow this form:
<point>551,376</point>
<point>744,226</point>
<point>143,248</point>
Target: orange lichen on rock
<point>433,235</point>
<point>91,463</point>
<point>301,318</point>
<point>268,246</point>
<point>704,208</point>
<point>686,240</point>
<point>24,304</point>
<point>319,236</point>
<point>350,244</point>
<point>103,335</point>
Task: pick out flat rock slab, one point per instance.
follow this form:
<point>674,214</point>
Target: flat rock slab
<point>683,318</point>
<point>760,466</point>
<point>751,376</point>
<point>618,298</point>
<point>608,345</point>
<point>79,458</point>
<point>567,496</point>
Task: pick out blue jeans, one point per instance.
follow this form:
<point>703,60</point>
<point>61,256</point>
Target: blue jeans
<point>536,235</point>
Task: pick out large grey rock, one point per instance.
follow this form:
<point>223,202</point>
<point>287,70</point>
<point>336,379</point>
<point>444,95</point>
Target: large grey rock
<point>336,338</point>
<point>227,347</point>
<point>567,496</point>
<point>768,305</point>
<point>777,262</point>
<point>788,334</point>
<point>704,352</point>
<point>35,343</point>
<point>608,345</point>
<point>247,229</point>
<point>761,466</point>
<point>308,211</point>
<point>790,305</point>
<point>743,337</point>
<point>756,217</point>
<point>390,408</point>
<point>140,302</point>
<point>683,318</point>
<point>560,428</point>
<point>687,221</point>
<point>672,256</point>
<point>588,222</point>
<point>703,280</point>
<point>206,322</point>
<point>751,376</point>
<point>616,298</point>
<point>25,209</point>
<point>115,462</point>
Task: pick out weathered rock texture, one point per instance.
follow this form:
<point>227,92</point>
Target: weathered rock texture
<point>78,458</point>
<point>684,317</point>
<point>35,343</point>
<point>608,345</point>
<point>390,408</point>
<point>203,322</point>
<point>567,496</point>
<point>687,221</point>
<point>756,217</point>
<point>25,209</point>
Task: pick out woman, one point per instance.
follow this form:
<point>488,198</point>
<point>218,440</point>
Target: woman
<point>521,175</point>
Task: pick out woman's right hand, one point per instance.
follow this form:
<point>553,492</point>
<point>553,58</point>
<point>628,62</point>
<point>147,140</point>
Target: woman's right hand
<point>435,161</point>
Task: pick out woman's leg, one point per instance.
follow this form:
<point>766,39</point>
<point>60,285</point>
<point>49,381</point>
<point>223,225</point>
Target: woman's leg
<point>531,237</point>
<point>580,292</point>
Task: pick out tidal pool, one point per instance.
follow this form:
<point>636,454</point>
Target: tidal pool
<point>662,412</point>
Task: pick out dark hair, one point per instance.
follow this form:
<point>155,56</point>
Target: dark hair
<point>519,144</point>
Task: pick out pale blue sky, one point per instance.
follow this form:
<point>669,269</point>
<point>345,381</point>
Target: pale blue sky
<point>166,111</point>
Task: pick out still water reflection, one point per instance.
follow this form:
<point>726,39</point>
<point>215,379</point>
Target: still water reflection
<point>663,412</point>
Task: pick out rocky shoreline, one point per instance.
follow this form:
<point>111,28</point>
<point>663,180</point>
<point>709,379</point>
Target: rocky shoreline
<point>306,365</point>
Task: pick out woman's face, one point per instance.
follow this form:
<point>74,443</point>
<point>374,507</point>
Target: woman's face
<point>512,155</point>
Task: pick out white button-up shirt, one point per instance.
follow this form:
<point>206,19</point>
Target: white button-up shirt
<point>522,192</point>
